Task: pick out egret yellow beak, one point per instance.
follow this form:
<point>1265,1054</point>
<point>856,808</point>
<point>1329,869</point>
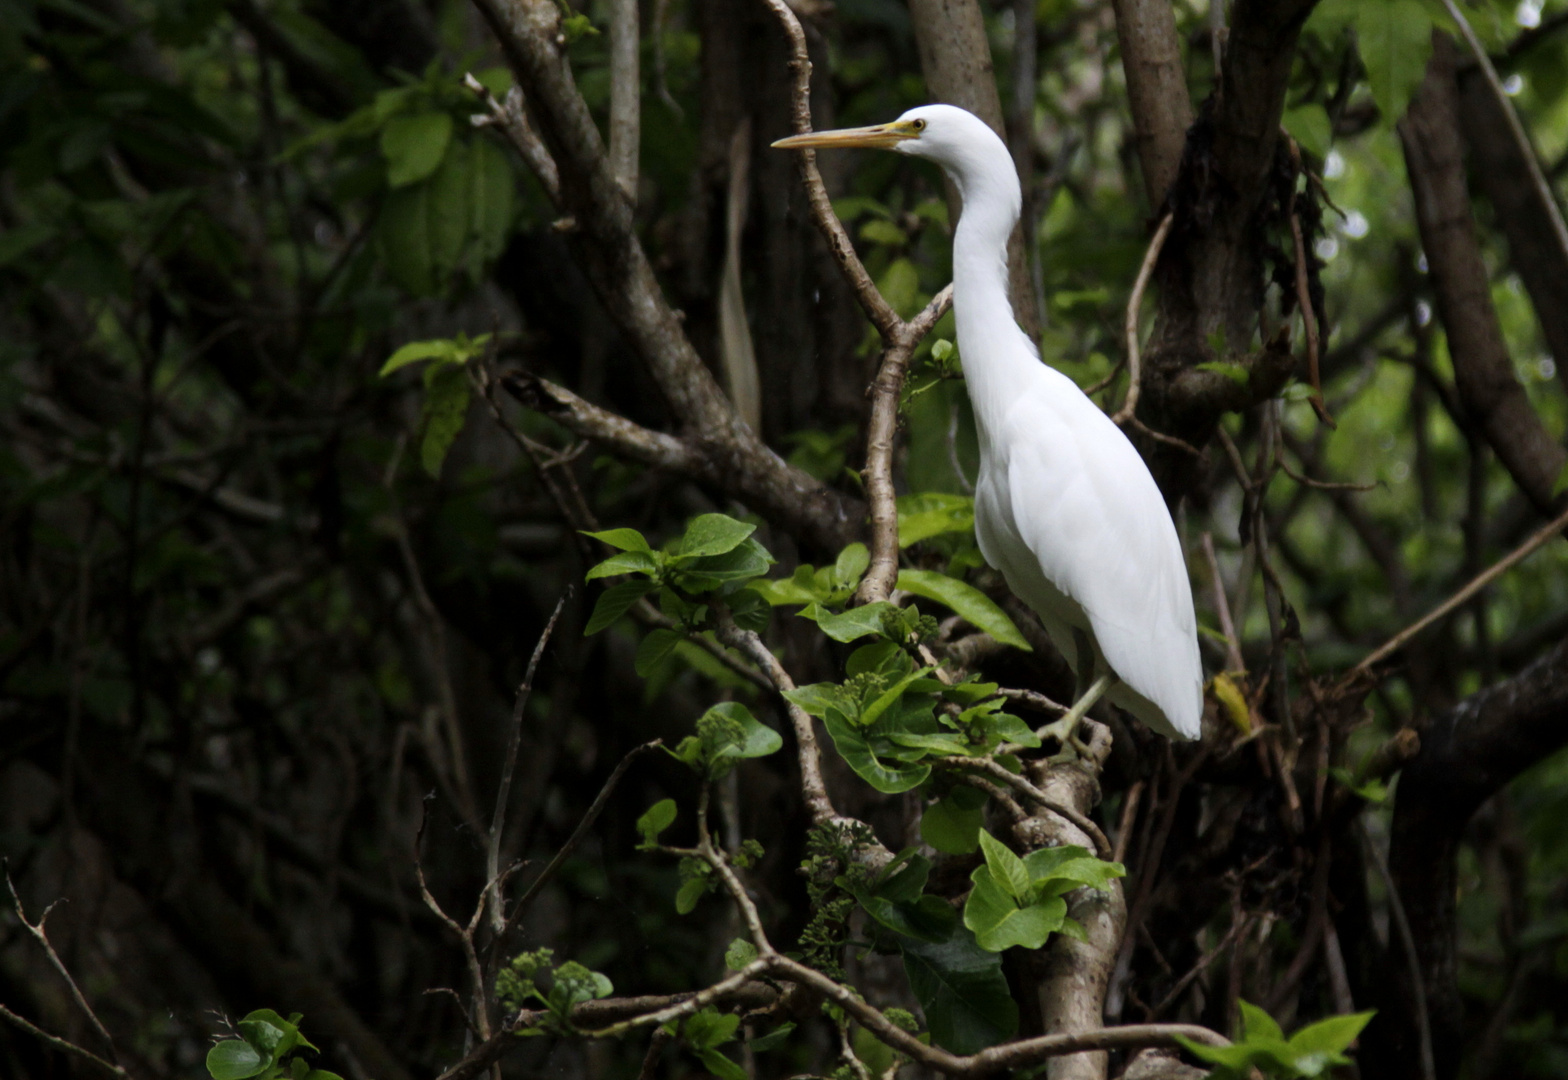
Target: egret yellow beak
<point>879,136</point>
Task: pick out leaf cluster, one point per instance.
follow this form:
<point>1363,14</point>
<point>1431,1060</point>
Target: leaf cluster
<point>1022,901</point>
<point>570,984</point>
<point>269,1048</point>
<point>1263,1046</point>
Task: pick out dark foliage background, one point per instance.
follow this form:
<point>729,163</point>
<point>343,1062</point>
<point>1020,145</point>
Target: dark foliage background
<point>248,641</point>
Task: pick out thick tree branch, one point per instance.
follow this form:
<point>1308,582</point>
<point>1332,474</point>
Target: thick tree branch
<point>1156,90</point>
<point>1483,370</point>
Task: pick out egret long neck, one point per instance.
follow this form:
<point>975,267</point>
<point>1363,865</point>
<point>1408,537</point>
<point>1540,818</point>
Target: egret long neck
<point>996,355</point>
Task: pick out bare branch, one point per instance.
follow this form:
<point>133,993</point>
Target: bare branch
<point>1134,365</point>
<point>625,96</point>
<point>512,119</point>
<point>878,474</point>
<point>498,817</point>
<point>59,1043</point>
<point>1459,599</point>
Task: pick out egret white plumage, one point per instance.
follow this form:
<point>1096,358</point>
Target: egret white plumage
<point>1065,507</point>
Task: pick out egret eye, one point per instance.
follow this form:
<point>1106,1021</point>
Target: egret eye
<point>920,125</point>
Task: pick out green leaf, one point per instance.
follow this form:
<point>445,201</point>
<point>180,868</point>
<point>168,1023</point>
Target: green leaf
<point>446,408</point>
<point>1395,41</point>
<point>740,953</point>
<point>730,733</point>
<point>851,564</point>
<point>880,231</point>
<point>900,285</point>
<point>851,625</point>
<point>415,351</point>
<point>926,918</point>
<point>1006,868</point>
<point>750,611</point>
<point>627,562</point>
<point>615,602</point>
<point>492,200</point>
<point>965,600</point>
<point>709,1028</point>
<point>932,513</point>
<point>1308,125</point>
<point>653,648</point>
<point>1257,1024</point>
<point>721,1066</point>
<point>741,564</point>
<point>288,1034</point>
<point>999,922</point>
<point>856,751</point>
<point>817,698</point>
<point>714,534</point>
<point>962,991</point>
<point>625,539</point>
<point>233,1059</point>
<point>404,236</point>
<point>1234,372</point>
<point>1073,864</point>
<point>659,816</point>
<point>688,895</point>
<point>450,210</point>
<point>414,146</point>
<point>14,243</point>
<point>1330,1038</point>
<point>773,1039</point>
<point>951,827</point>
<point>889,697</point>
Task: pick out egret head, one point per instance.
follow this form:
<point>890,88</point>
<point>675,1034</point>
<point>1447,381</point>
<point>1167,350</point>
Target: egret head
<point>956,139</point>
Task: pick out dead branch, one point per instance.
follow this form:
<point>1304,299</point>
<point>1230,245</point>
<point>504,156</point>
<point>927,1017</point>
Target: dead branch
<point>1460,598</point>
<point>498,816</point>
<point>1130,326</point>
<point>512,118</point>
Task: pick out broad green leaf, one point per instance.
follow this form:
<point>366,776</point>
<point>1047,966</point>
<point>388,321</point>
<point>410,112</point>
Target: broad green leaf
<point>447,393</point>
<point>743,736</point>
<point>851,625</point>
<point>615,602</point>
<point>714,534</point>
<point>1257,1024</point>
<point>721,1066</point>
<point>625,539</point>
<point>1332,1036</point>
<point>1308,125</point>
<point>750,611</point>
<point>856,751</point>
<point>740,953</point>
<point>931,513</point>
<point>951,827</point>
<point>1072,864</point>
<point>233,1059</point>
<point>659,816</point>
<point>747,561</point>
<point>850,566</point>
<point>414,146</point>
<point>817,698</point>
<point>928,918</point>
<point>1234,372</point>
<point>968,601</point>
<point>687,896</point>
<point>998,922</point>
<point>404,235</point>
<point>1395,41</point>
<point>900,284</point>
<point>888,698</point>
<point>880,231</point>
<point>289,1034</point>
<point>1006,868</point>
<point>773,1039</point>
<point>627,562</point>
<point>880,657</point>
<point>415,351</point>
<point>905,877</point>
<point>450,209</point>
<point>962,991</point>
<point>799,588</point>
<point>492,201</point>
<point>709,1028</point>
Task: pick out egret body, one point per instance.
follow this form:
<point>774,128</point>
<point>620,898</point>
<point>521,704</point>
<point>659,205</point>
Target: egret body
<point>1065,507</point>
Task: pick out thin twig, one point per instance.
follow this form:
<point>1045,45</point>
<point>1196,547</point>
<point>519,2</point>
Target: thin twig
<point>1309,319</point>
<point>1543,189</point>
<point>594,810</point>
<point>498,818</point>
<point>814,791</point>
<point>1124,823</point>
<point>1018,783</point>
<point>1033,699</point>
<point>1460,598</point>
<point>1233,660</point>
<point>1134,364</point>
<point>1396,908</point>
<point>59,1043</point>
<point>878,581</point>
<point>1198,968</point>
<point>512,119</point>
<point>42,937</point>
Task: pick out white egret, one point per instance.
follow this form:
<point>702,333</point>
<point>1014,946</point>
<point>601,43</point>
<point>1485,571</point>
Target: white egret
<point>1065,507</point>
